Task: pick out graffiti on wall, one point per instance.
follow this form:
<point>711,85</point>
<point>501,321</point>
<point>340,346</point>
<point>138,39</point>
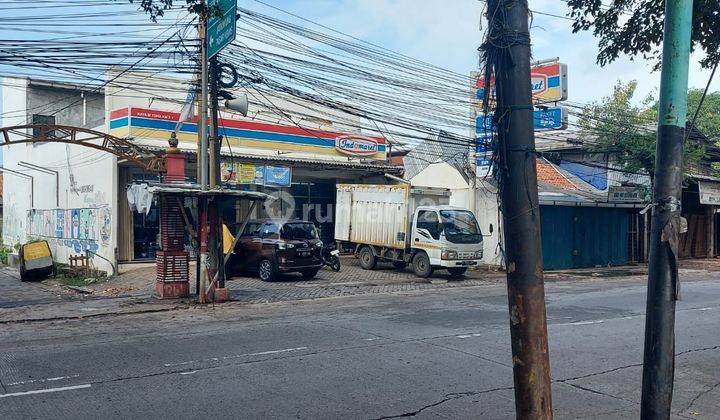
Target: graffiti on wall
<point>78,229</point>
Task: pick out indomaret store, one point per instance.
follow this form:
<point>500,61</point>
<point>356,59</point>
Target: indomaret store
<point>256,156</point>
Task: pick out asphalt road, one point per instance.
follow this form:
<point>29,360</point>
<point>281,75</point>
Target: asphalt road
<point>442,353</point>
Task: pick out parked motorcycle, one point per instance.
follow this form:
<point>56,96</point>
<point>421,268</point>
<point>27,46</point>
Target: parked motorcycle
<point>331,257</point>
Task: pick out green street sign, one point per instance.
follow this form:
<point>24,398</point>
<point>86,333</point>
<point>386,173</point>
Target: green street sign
<point>221,29</point>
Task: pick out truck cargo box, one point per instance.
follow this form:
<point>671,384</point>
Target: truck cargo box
<point>381,214</point>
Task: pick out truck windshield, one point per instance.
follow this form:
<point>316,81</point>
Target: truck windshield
<point>460,226</point>
<point>298,231</point>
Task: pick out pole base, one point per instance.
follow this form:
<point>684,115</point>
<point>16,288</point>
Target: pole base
<point>221,295</point>
<point>172,289</point>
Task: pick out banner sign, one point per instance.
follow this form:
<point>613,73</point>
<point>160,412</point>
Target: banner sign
<point>709,193</point>
<point>277,176</point>
<point>554,118</point>
<point>249,174</point>
<point>625,195</point>
<point>548,82</point>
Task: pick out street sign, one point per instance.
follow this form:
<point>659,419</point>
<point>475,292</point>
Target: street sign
<point>221,29</point>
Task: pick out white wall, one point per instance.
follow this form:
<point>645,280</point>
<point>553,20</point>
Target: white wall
<point>442,175</point>
<point>80,217</point>
<point>16,189</point>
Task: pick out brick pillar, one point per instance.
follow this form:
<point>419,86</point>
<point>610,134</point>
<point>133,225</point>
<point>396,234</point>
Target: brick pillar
<point>172,261</point>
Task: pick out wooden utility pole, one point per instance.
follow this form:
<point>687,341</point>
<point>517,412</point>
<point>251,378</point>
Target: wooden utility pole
<point>508,52</point>
<point>663,286</point>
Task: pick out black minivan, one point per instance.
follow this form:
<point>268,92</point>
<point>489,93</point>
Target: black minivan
<point>271,247</point>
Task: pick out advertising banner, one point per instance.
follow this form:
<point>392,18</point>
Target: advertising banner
<point>548,82</point>
<point>277,176</point>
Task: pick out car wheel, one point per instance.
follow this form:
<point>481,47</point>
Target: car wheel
<point>400,265</point>
<point>457,271</point>
<point>309,275</point>
<point>421,265</point>
<point>367,258</point>
<point>266,270</point>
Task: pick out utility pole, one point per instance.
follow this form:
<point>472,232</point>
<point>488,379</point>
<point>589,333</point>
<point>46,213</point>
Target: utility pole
<point>509,54</point>
<point>202,160</point>
<point>214,229</point>
<point>663,282</point>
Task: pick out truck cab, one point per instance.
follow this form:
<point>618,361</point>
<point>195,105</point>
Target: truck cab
<point>445,237</point>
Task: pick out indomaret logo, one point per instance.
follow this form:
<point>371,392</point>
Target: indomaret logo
<point>539,83</point>
<point>355,145</point>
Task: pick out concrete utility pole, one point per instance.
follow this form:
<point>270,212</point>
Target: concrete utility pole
<point>659,357</point>
<point>509,52</point>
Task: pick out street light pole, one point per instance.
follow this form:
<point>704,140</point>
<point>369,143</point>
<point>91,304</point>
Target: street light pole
<point>663,282</point>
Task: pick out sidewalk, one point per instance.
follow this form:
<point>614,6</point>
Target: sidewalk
<point>132,291</point>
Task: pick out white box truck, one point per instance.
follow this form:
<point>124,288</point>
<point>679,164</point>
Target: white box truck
<point>405,224</point>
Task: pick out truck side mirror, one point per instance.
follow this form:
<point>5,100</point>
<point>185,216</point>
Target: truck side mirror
<point>491,228</point>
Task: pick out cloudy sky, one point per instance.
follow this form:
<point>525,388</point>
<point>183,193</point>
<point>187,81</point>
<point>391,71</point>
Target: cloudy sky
<point>448,32</point>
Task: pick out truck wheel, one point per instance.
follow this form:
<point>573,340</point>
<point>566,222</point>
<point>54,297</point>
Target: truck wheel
<point>421,265</point>
<point>399,264</point>
<point>266,270</point>
<point>457,271</point>
<point>367,258</point>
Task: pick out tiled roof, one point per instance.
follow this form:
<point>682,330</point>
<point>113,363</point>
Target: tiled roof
<point>548,173</point>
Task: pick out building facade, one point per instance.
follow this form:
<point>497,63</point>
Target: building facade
<point>298,156</point>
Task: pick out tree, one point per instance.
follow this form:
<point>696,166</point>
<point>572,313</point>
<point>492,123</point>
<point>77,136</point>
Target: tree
<point>708,119</point>
<point>635,27</point>
<point>628,132</point>
<point>157,8</point>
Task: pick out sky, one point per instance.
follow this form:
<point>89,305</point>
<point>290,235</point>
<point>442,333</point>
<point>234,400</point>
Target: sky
<point>447,33</point>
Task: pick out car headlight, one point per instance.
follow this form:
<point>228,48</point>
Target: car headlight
<point>479,254</point>
<point>447,254</point>
<point>285,245</point>
<point>319,244</point>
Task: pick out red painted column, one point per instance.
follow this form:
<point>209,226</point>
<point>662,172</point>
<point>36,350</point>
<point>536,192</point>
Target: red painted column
<point>172,261</point>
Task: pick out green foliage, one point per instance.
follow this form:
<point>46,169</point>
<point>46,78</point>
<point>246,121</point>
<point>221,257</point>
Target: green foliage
<point>615,126</point>
<point>4,251</point>
<point>157,8</point>
<point>708,120</point>
<point>635,27</point>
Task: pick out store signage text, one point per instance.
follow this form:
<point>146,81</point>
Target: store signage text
<point>356,145</point>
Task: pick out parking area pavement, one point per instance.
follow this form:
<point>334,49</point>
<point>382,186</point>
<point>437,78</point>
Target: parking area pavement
<point>351,280</point>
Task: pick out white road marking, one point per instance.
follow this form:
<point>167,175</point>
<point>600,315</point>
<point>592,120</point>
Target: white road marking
<point>598,321</point>
<point>237,356</point>
<point>372,339</point>
<point>45,391</point>
<point>32,381</point>
<point>468,335</point>
<point>188,373</point>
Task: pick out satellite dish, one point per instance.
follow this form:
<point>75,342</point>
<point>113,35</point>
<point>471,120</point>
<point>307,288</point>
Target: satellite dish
<point>238,104</point>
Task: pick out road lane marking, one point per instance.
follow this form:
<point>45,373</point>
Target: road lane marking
<point>237,356</point>
<point>463,336</point>
<point>32,381</point>
<point>188,373</point>
<point>45,391</point>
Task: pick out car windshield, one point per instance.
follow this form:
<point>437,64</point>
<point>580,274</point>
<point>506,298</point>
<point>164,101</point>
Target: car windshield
<point>460,226</point>
<point>299,231</point>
